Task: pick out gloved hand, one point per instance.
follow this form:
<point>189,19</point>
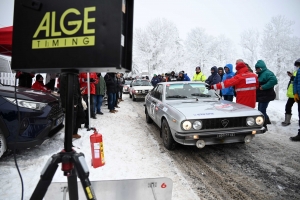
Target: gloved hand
<point>208,87</point>
<point>296,98</point>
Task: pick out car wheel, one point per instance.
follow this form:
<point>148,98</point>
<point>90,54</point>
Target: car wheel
<point>133,98</point>
<point>3,146</point>
<point>130,96</point>
<point>168,140</point>
<point>148,118</point>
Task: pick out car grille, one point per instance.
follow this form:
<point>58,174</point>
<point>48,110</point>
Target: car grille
<point>221,123</point>
<point>56,110</point>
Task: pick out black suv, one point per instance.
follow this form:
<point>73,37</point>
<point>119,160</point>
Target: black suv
<point>41,116</point>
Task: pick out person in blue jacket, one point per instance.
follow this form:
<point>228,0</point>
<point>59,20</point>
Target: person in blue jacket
<point>155,80</point>
<point>183,77</point>
<point>228,93</point>
<point>296,90</point>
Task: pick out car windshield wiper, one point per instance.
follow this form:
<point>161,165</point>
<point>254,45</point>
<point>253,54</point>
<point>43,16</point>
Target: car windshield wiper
<point>200,95</point>
<point>177,96</point>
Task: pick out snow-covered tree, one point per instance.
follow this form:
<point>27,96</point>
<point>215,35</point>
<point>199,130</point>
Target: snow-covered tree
<point>276,49</point>
<point>199,49</point>
<point>250,42</point>
<point>158,48</point>
<point>223,51</point>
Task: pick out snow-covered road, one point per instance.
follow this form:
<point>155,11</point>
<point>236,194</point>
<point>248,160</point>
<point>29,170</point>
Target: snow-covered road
<point>267,168</point>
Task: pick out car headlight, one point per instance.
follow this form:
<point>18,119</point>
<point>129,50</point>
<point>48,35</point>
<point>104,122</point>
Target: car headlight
<point>250,121</point>
<point>259,120</point>
<point>197,125</point>
<point>27,104</point>
<point>187,125</point>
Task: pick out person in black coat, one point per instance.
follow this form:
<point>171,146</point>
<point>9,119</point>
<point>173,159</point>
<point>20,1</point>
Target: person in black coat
<point>112,89</point>
<point>214,78</point>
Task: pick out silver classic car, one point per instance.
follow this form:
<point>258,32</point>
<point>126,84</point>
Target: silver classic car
<point>189,114</point>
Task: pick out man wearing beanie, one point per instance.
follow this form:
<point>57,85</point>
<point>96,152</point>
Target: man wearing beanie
<point>199,76</point>
<point>265,92</point>
<point>296,91</point>
<point>245,84</point>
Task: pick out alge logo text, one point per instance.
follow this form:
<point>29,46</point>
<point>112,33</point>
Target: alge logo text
<point>53,37</point>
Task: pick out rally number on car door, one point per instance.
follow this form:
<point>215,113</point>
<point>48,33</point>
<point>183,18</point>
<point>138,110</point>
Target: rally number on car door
<point>152,109</point>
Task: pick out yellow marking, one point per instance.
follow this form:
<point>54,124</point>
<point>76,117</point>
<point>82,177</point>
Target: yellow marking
<point>63,42</point>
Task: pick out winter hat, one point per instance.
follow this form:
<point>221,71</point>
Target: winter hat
<point>297,62</point>
<point>198,68</point>
<point>155,75</point>
<point>260,64</point>
<point>163,74</point>
<point>240,65</point>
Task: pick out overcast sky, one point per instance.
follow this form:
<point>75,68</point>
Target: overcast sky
<point>228,17</point>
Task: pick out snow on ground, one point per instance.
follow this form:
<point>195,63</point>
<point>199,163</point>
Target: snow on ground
<point>130,152</point>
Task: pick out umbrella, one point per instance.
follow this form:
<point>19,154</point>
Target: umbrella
<point>6,40</point>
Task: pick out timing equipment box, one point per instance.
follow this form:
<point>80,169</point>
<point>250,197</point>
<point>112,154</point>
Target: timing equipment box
<point>88,35</point>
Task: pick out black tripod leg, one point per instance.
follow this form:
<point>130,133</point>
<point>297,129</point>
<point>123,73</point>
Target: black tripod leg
<point>83,174</point>
<point>46,177</point>
<point>73,186</point>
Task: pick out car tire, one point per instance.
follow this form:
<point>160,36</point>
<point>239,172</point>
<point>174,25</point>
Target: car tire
<point>133,98</point>
<point>3,146</point>
<point>148,118</point>
<point>167,136</point>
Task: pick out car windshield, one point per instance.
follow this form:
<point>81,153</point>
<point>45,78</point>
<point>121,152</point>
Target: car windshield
<point>127,82</point>
<point>188,91</point>
<point>141,83</point>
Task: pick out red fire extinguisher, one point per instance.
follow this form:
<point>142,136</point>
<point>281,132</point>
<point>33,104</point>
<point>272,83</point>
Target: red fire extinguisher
<point>97,149</point>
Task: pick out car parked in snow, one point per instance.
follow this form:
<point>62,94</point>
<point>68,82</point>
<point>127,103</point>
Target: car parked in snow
<point>189,114</point>
<point>139,88</point>
<point>126,87</point>
<point>27,117</point>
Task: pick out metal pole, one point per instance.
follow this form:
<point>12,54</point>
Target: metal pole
<point>89,103</point>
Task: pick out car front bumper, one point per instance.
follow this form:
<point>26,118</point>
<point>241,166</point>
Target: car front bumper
<point>217,137</point>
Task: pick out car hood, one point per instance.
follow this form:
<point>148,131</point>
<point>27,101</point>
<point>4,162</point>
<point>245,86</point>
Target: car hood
<point>27,94</point>
<point>209,109</point>
<point>142,87</point>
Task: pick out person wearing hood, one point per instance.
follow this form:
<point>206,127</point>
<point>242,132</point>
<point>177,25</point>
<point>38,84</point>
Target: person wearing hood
<point>199,76</point>
<point>183,77</point>
<point>245,84</point>
<point>265,92</point>
<point>214,78</point>
<point>228,93</point>
<point>296,90</point>
<point>155,80</point>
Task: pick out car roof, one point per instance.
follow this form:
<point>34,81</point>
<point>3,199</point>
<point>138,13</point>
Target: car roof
<point>182,82</point>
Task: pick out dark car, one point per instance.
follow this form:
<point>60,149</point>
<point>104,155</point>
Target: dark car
<point>39,116</point>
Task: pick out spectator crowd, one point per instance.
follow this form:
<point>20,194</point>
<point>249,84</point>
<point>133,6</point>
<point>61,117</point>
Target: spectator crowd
<point>248,88</point>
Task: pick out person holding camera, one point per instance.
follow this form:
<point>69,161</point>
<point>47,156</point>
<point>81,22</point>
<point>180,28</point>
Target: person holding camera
<point>83,84</point>
<point>290,102</point>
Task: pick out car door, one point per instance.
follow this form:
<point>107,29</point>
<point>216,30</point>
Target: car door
<point>156,103</point>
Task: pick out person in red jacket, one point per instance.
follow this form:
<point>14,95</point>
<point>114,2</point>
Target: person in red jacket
<point>245,83</point>
<point>83,84</point>
<point>39,84</point>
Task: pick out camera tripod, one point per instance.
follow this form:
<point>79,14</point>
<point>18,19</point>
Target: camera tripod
<point>73,164</point>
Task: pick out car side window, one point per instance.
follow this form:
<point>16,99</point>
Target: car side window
<point>158,93</point>
<point>152,92</point>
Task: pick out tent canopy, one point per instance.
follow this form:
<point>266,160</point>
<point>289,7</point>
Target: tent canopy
<point>6,40</point>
